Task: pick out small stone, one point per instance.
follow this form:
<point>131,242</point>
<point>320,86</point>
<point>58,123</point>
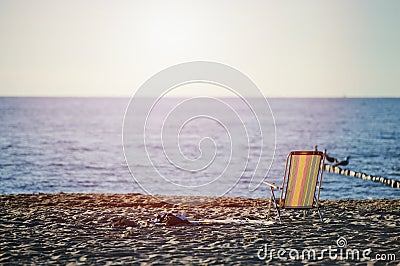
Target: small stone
<point>125,222</point>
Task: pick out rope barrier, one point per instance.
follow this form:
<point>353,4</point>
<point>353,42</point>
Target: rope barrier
<point>386,181</point>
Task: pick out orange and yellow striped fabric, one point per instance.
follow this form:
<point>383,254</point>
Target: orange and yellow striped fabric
<point>302,180</point>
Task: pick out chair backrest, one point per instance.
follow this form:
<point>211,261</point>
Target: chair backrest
<point>302,174</point>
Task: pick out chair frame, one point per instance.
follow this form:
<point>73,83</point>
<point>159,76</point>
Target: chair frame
<point>283,188</point>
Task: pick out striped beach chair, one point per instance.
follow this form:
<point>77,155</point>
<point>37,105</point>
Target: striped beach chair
<point>301,184</point>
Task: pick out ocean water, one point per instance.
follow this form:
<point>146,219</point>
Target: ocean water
<point>75,145</point>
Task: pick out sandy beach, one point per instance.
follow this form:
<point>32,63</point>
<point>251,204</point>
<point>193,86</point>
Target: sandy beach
<point>110,229</point>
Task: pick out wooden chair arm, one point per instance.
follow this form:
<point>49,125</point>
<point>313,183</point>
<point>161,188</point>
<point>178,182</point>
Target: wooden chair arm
<point>272,185</point>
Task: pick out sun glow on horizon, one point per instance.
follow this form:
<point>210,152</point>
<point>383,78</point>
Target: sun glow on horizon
<point>289,49</point>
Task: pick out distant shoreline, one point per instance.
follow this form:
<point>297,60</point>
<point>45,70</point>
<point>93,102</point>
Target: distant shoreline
<point>128,97</point>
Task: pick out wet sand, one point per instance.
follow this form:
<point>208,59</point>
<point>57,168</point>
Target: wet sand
<point>110,229</point>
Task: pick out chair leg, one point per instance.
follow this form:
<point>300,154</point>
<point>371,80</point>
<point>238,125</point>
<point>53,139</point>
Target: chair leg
<point>279,214</point>
<point>320,215</point>
<point>319,211</point>
<point>276,205</point>
<point>269,208</point>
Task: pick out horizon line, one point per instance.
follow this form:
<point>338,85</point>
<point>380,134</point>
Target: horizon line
<point>223,97</point>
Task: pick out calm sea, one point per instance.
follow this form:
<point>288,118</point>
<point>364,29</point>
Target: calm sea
<point>75,144</point>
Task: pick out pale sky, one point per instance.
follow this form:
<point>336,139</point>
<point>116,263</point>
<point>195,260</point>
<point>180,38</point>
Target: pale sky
<point>288,48</point>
